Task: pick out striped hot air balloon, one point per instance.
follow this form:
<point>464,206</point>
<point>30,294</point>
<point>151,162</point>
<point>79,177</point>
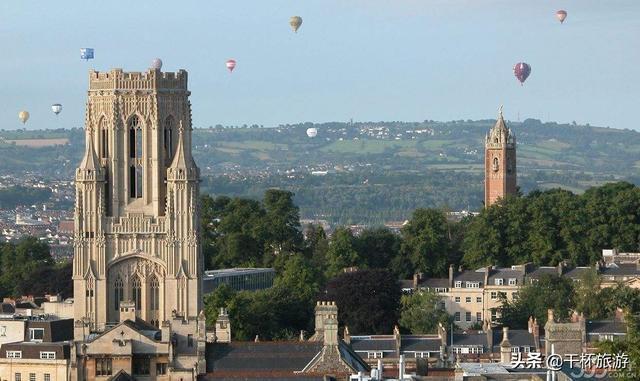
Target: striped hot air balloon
<point>231,64</point>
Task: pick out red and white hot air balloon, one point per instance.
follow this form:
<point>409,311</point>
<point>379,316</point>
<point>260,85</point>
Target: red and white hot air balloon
<point>522,70</point>
<point>561,15</point>
<point>231,64</point>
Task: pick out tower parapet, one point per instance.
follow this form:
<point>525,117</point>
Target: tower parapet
<point>152,79</point>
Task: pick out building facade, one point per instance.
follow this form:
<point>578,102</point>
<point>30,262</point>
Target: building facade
<point>137,264</point>
<point>499,162</point>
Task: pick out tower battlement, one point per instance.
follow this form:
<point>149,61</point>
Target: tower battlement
<point>154,80</point>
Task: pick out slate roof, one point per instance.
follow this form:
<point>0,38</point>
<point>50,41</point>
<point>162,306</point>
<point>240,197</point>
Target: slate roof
<point>406,284</point>
<point>260,357</point>
<point>606,326</point>
<point>543,270</point>
<point>373,343</point>
<point>468,338</point>
<point>505,273</point>
<point>577,272</point>
<point>517,338</point>
<point>7,308</point>
<point>412,343</point>
<point>621,270</point>
<point>469,276</point>
<point>435,282</point>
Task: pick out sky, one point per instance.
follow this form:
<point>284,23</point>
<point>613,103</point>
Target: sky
<point>370,60</point>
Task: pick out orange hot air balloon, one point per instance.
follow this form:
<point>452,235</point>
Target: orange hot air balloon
<point>561,15</point>
<point>231,64</point>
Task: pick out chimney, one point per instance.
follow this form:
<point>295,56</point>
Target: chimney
<point>574,316</point>
<point>487,273</point>
<point>346,336</point>
<point>442,335</point>
<point>505,347</point>
<point>380,369</point>
<point>550,316</point>
<point>127,311</point>
<point>323,311</point>
<point>450,276</point>
<point>331,331</point>
<point>530,324</point>
<point>257,339</point>
<point>486,326</point>
<point>535,331</point>
<point>398,339</point>
<point>417,278</point>
<point>301,337</point>
<point>619,315</point>
<point>561,266</point>
<point>223,327</point>
<point>401,368</point>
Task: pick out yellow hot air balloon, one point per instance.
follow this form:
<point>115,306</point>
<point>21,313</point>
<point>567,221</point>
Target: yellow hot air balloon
<point>23,116</point>
<point>295,22</point>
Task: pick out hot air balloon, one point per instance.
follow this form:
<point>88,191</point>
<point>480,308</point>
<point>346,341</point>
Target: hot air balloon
<point>522,70</point>
<point>23,116</point>
<point>156,64</point>
<point>561,15</point>
<point>295,22</point>
<point>56,108</point>
<point>312,132</point>
<point>86,54</point>
<point>231,64</point>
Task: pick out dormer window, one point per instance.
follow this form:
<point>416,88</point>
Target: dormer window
<point>513,281</point>
<point>499,281</point>
<point>458,284</point>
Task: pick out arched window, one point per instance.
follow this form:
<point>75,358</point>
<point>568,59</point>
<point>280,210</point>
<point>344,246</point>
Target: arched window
<point>118,293</point>
<point>154,294</point>
<point>168,137</point>
<point>495,164</point>
<point>104,139</point>
<point>135,138</point>
<point>136,292</point>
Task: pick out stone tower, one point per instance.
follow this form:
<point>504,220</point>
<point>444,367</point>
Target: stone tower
<point>136,219</point>
<point>499,162</point>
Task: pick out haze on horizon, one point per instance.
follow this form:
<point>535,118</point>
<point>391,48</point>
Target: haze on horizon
<point>368,60</point>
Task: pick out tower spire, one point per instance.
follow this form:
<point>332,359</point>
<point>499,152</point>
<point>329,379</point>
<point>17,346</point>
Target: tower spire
<point>90,160</point>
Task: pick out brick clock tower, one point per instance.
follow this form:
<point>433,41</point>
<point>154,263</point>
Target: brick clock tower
<point>499,162</point>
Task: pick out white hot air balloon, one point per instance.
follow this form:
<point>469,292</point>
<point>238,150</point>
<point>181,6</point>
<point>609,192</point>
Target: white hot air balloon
<point>312,132</point>
<point>156,64</point>
<point>56,108</point>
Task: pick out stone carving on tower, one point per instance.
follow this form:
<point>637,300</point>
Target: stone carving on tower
<point>499,162</point>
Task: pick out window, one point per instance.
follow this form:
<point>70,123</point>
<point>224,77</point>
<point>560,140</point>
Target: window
<point>467,299</point>
<point>473,284</point>
<point>441,290</point>
<point>104,139</point>
<point>494,314</point>
<point>136,291</point>
<point>494,167</point>
<point>14,354</point>
<point>103,367</point>
<point>515,349</point>
<point>48,355</point>
<point>168,138</point>
<point>502,295</point>
<point>457,316</point>
<point>421,355</point>
<point>526,349</point>
<point>514,295</point>
<point>499,281</point>
<point>479,299</point>
<point>141,366</point>
<point>161,368</point>
<point>135,138</point>
<point>457,299</point>
<point>374,355</point>
<point>189,340</point>
<point>18,377</point>
<point>513,281</point>
<point>32,377</point>
<point>478,316</point>
<point>458,284</point>
<point>468,316</point>
<point>476,350</point>
<point>154,287</point>
<point>47,377</point>
<point>3,330</point>
<point>494,295</point>
<point>36,334</point>
<point>118,293</point>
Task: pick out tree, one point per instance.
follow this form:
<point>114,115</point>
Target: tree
<point>342,252</point>
<point>368,300</point>
<point>377,247</point>
<point>426,241</point>
<point>282,222</point>
<point>421,312</point>
<point>629,345</point>
<point>588,295</point>
<point>549,292</point>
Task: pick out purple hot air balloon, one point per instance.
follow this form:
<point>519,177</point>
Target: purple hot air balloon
<point>156,64</point>
<point>522,70</point>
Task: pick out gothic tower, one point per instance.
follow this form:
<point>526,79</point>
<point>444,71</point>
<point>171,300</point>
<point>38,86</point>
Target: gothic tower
<point>499,162</point>
<point>136,220</point>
